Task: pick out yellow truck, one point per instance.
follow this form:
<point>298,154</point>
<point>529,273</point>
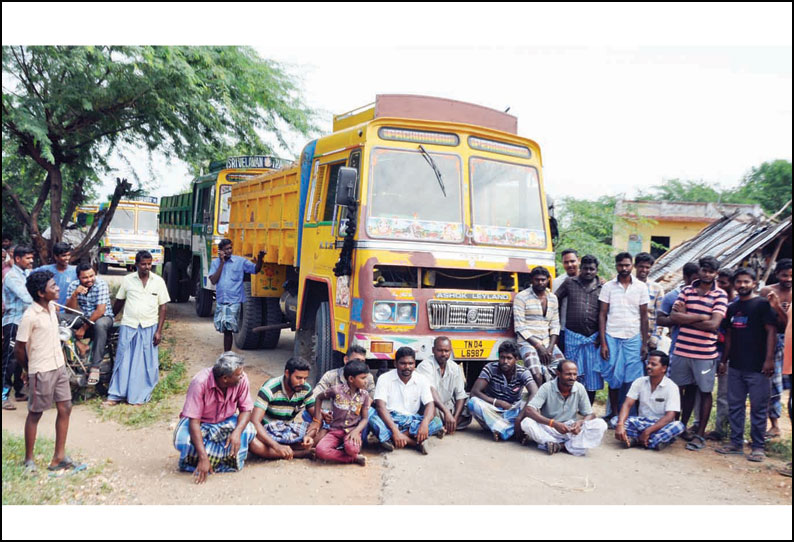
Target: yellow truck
<point>417,217</point>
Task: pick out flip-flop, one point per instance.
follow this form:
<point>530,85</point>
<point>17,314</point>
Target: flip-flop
<point>756,456</point>
<point>93,376</point>
<point>715,435</point>
<point>687,435</point>
<point>30,466</point>
<point>66,463</point>
<point>785,471</point>
<point>730,449</point>
<point>771,435</point>
<point>696,444</point>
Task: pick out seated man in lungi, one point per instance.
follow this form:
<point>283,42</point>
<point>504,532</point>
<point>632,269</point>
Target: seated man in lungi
<point>495,396</point>
<point>655,428</point>
<point>550,417</point>
<point>280,425</point>
<point>447,384</point>
<point>210,435</point>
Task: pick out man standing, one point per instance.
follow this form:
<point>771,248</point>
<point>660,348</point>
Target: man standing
<point>16,300</point>
<point>622,329</point>
<point>690,273</point>
<point>496,394</point>
<point>143,297</point>
<point>550,417</point>
<point>749,358</point>
<point>90,295</point>
<point>656,427</point>
<point>779,297</point>
<point>399,396</point>
<point>580,295</point>
<point>570,262</point>
<point>698,311</point>
<point>227,273</point>
<point>211,436</point>
<point>642,268</point>
<point>721,428</point>
<point>447,385</point>
<point>64,273</point>
<point>536,319</point>
<point>38,349</point>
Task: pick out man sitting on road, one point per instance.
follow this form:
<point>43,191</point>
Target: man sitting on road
<point>278,418</point>
<point>550,417</point>
<point>656,427</point>
<point>210,435</point>
<point>496,394</point>
<point>90,295</point>
<point>399,396</point>
<point>447,385</point>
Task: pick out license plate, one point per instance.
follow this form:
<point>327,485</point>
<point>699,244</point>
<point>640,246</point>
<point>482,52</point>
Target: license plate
<point>472,349</point>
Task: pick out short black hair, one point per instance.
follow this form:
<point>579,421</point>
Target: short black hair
<point>404,351</point>
<point>563,362</point>
<point>589,259</point>
<point>142,255</point>
<point>441,338</point>
<point>690,269</point>
<point>569,251</point>
<point>710,262</point>
<point>224,242</point>
<point>356,349</point>
<point>83,267</point>
<point>725,272</point>
<point>509,347</point>
<point>622,256</point>
<point>539,270</point>
<point>297,364</point>
<point>783,265</point>
<point>61,248</point>
<point>355,368</point>
<point>743,271</point>
<point>20,251</point>
<point>664,359</point>
<point>643,257</point>
<point>37,282</point>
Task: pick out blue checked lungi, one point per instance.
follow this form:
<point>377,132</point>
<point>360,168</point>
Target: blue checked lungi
<point>403,422</point>
<point>776,382</point>
<point>586,352</point>
<point>624,365</point>
<point>137,365</point>
<point>288,432</point>
<point>498,421</point>
<point>214,436</point>
<point>635,426</point>
<point>227,317</point>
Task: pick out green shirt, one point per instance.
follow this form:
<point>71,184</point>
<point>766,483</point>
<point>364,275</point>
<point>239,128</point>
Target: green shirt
<point>550,402</point>
<point>277,406</point>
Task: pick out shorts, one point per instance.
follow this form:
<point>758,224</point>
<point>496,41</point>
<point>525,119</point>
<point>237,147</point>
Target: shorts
<point>686,371</point>
<point>227,317</point>
<point>48,387</point>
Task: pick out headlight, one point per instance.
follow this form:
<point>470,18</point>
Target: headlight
<point>64,334</point>
<point>383,312</point>
<point>406,313</point>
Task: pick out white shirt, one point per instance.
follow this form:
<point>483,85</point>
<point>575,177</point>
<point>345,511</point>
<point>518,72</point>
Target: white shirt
<point>142,302</point>
<point>623,318</point>
<point>403,398</point>
<point>451,387</point>
<point>655,404</point>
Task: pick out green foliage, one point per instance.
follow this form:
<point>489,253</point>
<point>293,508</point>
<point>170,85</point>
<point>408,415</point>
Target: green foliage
<point>681,190</point>
<point>770,185</point>
<point>586,225</point>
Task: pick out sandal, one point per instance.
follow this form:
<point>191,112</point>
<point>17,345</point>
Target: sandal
<point>696,444</point>
<point>785,471</point>
<point>715,435</point>
<point>772,434</point>
<point>93,376</point>
<point>687,435</point>
<point>109,402</point>
<point>66,463</point>
<point>756,456</point>
<point>553,447</point>
<point>730,449</point>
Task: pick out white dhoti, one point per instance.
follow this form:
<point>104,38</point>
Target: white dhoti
<point>589,437</point>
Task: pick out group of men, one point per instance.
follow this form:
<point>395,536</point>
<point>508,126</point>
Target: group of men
<point>36,301</point>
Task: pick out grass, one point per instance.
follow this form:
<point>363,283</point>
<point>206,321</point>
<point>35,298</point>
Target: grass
<point>22,488</point>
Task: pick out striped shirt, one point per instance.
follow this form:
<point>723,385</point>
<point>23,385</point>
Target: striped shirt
<point>623,318</point>
<point>277,405</point>
<point>530,320</point>
<point>696,343</point>
<point>499,387</point>
<point>98,294</point>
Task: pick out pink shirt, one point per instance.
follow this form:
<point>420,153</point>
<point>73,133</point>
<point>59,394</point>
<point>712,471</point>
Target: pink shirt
<point>207,402</point>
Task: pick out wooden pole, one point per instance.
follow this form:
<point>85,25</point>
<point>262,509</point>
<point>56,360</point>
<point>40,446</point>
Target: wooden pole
<point>774,257</point>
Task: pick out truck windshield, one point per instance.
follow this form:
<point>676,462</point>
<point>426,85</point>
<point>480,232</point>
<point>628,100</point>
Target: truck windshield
<point>406,201</point>
<point>506,204</point>
<point>147,222</point>
<point>224,208</point>
<point>123,220</point>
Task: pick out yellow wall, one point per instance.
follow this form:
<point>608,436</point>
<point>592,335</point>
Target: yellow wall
<point>677,231</point>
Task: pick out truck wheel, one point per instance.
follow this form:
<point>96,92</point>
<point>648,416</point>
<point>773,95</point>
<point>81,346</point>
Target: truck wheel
<point>183,290</point>
<point>250,317</point>
<point>203,300</point>
<point>171,277</point>
<point>322,343</point>
<point>272,316</point>
<point>103,268</point>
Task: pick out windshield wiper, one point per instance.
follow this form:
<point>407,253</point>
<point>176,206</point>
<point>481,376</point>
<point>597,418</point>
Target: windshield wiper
<point>435,169</point>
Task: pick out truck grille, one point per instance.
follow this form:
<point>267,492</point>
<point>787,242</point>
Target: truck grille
<point>444,315</point>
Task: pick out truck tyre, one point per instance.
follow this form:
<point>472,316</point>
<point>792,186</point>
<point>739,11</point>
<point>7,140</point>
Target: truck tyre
<point>272,316</point>
<point>250,317</point>
<point>183,289</point>
<point>103,268</point>
<point>322,343</point>
<point>171,278</point>
<point>203,300</point>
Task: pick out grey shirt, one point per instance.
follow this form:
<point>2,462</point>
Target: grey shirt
<point>550,402</point>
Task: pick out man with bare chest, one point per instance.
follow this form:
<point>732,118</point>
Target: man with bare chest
<point>779,297</point>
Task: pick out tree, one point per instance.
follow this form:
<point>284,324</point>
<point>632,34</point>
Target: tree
<point>682,190</point>
<point>66,110</point>
<point>770,185</point>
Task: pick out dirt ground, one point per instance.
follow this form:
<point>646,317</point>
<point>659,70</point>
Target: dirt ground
<point>467,468</point>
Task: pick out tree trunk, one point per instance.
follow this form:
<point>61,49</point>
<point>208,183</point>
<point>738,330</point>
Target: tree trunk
<point>56,196</point>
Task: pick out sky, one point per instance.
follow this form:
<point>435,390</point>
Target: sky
<point>619,97</point>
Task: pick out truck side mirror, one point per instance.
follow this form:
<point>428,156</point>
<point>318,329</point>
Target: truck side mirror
<point>346,182</point>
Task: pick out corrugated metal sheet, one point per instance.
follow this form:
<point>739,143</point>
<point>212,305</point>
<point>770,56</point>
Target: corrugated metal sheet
<point>730,240</point>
